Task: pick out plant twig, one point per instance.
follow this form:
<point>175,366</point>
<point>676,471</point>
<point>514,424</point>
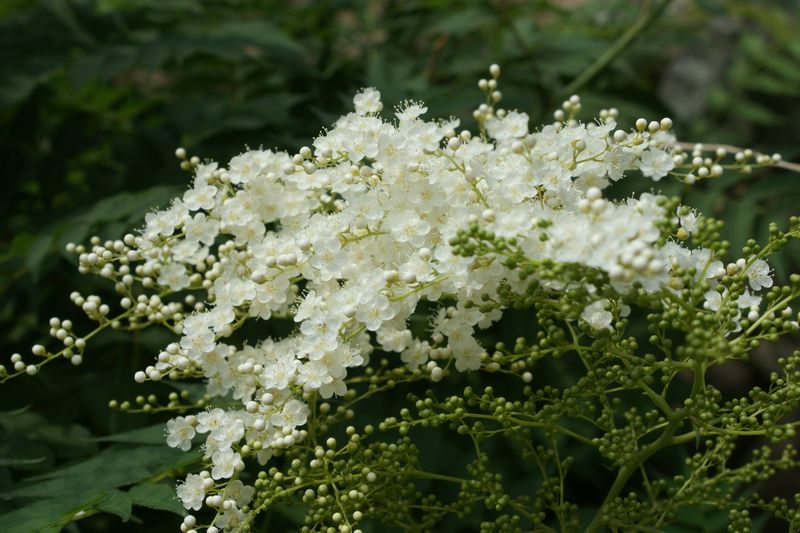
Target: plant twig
<point>649,12</point>
<point>632,466</point>
<point>707,147</point>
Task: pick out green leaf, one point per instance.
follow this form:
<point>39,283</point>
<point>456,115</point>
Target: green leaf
<point>258,32</point>
<point>462,22</point>
<point>768,84</point>
<point>770,58</point>
<point>65,15</point>
<point>234,39</point>
<point>37,253</point>
<point>116,502</point>
<point>42,516</point>
<point>756,113</point>
<point>156,496</point>
<point>149,435</point>
<point>111,468</point>
<point>68,439</point>
<point>95,484</point>
<point>125,206</point>
<point>213,117</point>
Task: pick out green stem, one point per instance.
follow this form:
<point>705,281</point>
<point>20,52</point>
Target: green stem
<point>631,467</point>
<point>656,399</point>
<point>649,13</point>
<point>431,475</point>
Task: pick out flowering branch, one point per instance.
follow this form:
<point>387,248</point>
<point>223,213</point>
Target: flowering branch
<point>383,225</point>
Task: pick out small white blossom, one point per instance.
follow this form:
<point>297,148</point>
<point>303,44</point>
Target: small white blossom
<point>180,433</point>
<point>748,300</point>
<point>656,164</point>
<point>224,463</point>
<point>689,222</point>
<point>758,274</point>
<point>192,492</point>
<point>368,101</point>
<point>596,315</point>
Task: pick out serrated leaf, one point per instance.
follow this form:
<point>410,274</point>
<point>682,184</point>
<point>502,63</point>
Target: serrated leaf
<point>70,439</point>
<point>156,496</point>
<point>756,113</point>
<point>258,32</point>
<point>217,116</point>
<point>770,58</point>
<point>115,467</point>
<point>42,516</point>
<point>148,435</point>
<point>127,207</point>
<point>93,484</point>
<point>116,502</point>
<point>234,39</point>
<point>768,84</point>
<point>66,16</point>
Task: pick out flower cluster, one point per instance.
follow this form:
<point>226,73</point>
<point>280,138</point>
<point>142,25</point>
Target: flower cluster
<point>349,236</point>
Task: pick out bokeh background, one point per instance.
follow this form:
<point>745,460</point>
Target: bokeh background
<point>95,95</point>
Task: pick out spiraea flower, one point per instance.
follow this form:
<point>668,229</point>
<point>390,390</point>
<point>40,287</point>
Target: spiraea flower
<point>381,214</point>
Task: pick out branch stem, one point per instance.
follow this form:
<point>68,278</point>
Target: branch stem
<point>650,11</point>
<point>632,466</point>
<point>787,165</point>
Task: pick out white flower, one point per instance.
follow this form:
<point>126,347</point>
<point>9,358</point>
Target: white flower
<point>279,373</point>
<point>409,111</point>
<point>197,341</point>
<point>417,354</point>
<point>192,492</point>
<point>656,164</point>
<point>713,300</point>
<point>596,315</point>
<point>747,300</point>
<point>368,101</point>
<point>160,223</point>
<point>201,228</point>
<point>375,311</point>
<point>201,197</point>
<point>180,433</point>
<point>513,125</point>
<point>240,493</point>
<point>210,420</point>
<point>174,276</point>
<point>394,340</point>
<point>231,519</point>
<point>715,270</point>
<point>225,462</point>
<point>466,351</point>
<point>312,375</point>
<point>229,433</point>
<point>758,275</point>
<point>293,414</point>
<point>689,222</point>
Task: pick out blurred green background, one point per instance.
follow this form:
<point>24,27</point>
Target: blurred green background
<point>95,95</point>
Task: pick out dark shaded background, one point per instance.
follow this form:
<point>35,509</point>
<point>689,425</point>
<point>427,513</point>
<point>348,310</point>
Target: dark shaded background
<point>96,94</point>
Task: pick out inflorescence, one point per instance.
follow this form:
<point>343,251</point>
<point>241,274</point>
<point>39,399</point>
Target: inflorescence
<point>381,220</point>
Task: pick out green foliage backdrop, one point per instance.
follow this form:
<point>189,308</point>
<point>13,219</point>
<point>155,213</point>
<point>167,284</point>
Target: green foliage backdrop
<point>96,94</point>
